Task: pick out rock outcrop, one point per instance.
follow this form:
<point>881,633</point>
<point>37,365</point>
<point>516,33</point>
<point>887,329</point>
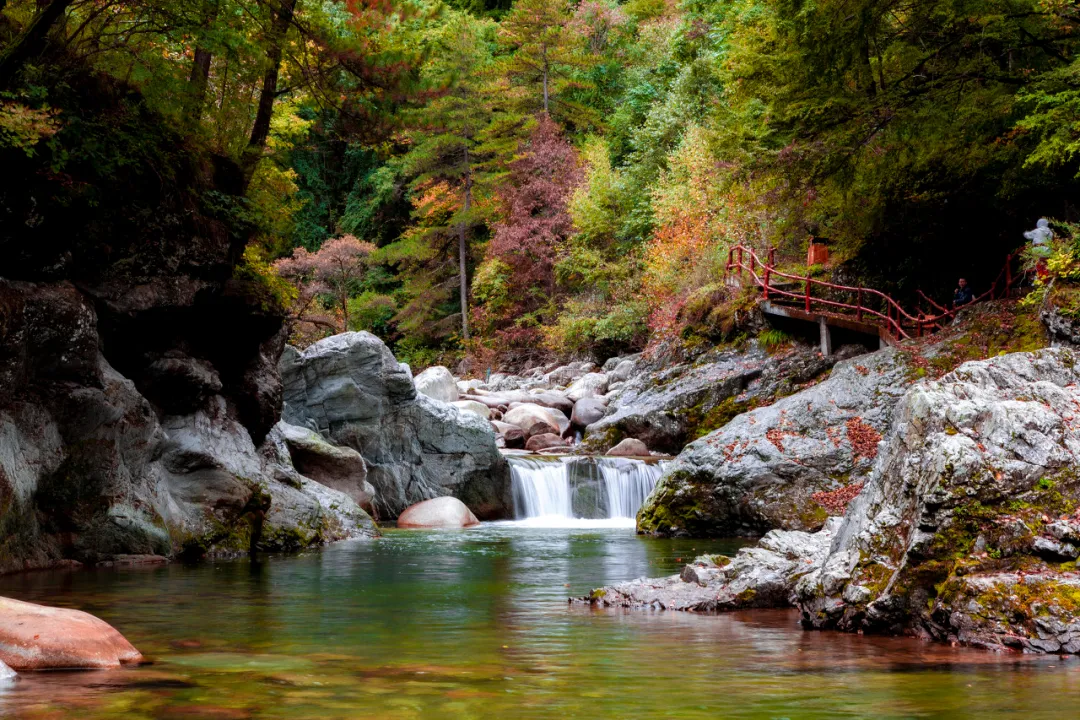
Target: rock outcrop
<point>668,406</point>
<point>762,576</point>
<point>351,390</point>
<point>967,530</point>
<point>759,471</point>
<point>37,637</point>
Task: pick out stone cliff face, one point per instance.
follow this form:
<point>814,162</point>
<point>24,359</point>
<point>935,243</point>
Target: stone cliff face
<point>138,374</point>
<point>350,389</point>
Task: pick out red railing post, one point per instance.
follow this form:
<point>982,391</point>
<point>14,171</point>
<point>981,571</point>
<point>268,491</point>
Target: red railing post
<point>765,287</point>
<point>858,305</point>
<point>808,293</point>
<point>772,256</point>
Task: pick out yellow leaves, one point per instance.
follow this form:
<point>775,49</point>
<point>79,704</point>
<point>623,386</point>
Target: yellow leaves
<point>24,127</point>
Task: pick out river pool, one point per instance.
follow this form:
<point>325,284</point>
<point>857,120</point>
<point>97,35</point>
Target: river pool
<point>475,624</point>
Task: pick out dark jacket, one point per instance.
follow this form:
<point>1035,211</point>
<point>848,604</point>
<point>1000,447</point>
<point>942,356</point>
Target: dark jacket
<point>963,296</point>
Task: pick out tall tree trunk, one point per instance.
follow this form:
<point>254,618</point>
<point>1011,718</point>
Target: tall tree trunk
<point>464,281</point>
<point>30,41</point>
<point>545,82</point>
<point>260,131</point>
<point>200,70</point>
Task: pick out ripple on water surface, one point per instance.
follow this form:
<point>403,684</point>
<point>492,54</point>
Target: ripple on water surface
<point>475,624</point>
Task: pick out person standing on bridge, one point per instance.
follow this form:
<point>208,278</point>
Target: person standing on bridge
<point>963,294</point>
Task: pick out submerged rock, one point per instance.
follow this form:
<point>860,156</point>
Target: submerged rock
<point>37,637</point>
<point>760,470</point>
<point>442,512</point>
<point>351,389</point>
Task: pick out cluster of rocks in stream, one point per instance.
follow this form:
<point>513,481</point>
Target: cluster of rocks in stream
<point>967,529</point>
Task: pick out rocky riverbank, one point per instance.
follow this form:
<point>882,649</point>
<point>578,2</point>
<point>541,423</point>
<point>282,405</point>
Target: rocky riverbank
<point>965,531</point>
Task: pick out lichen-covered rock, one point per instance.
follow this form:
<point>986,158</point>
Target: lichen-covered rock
<point>760,470</point>
<point>437,383</point>
<point>961,532</point>
<point>757,577</point>
<point>350,389</point>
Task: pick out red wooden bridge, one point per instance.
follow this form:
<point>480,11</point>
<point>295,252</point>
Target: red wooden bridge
<point>858,309</point>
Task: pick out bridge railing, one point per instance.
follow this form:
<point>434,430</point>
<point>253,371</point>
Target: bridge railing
<point>868,303</point>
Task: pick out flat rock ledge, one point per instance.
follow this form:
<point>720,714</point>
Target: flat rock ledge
<point>762,576</point>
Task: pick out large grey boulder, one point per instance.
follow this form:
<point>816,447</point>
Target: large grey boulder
<point>668,405</point>
<point>960,532</point>
<point>339,468</point>
<point>761,469</point>
<point>437,383</point>
<point>350,389</point>
<point>586,412</point>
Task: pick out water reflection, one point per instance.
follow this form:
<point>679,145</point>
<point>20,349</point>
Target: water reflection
<point>475,624</point>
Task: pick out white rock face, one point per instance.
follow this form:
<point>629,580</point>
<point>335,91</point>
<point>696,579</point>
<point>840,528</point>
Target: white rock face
<point>437,383</point>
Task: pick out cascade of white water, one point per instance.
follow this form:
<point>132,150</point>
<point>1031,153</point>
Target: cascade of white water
<point>555,487</point>
<point>541,488</point>
<point>628,483</point>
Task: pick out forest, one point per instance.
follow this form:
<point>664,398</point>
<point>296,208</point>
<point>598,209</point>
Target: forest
<point>489,180</point>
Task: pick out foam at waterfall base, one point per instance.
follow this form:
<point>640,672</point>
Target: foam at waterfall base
<point>571,523</point>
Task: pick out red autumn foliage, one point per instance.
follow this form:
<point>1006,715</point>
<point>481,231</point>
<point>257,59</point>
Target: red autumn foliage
<point>331,270</point>
<point>535,219</point>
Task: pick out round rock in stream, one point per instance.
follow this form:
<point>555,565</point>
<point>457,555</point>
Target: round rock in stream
<point>37,637</point>
<point>443,512</point>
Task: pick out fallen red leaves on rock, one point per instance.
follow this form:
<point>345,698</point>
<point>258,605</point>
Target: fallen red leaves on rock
<point>835,502</point>
<point>864,438</point>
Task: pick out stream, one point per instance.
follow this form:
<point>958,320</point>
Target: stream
<point>475,624</point>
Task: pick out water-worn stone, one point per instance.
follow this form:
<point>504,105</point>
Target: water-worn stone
<point>630,447</point>
<point>533,420</point>
<point>587,386</point>
<point>512,435</point>
<point>340,468</point>
<point>441,512</point>
<point>762,576</point>
<point>471,406</point>
<point>586,412</point>
<point>437,383</point>
<point>350,389</point>
<point>544,441</point>
<point>760,470</point>
<point>37,637</point>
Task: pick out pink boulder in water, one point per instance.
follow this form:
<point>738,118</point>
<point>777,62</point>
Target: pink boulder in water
<point>36,637</point>
<point>441,512</point>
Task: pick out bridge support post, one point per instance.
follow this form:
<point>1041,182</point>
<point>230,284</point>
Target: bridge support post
<point>826,337</point>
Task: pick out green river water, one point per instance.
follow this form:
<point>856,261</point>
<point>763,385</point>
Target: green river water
<point>475,624</point>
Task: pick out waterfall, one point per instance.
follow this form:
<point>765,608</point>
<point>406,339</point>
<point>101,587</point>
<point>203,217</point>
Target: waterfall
<point>581,488</point>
